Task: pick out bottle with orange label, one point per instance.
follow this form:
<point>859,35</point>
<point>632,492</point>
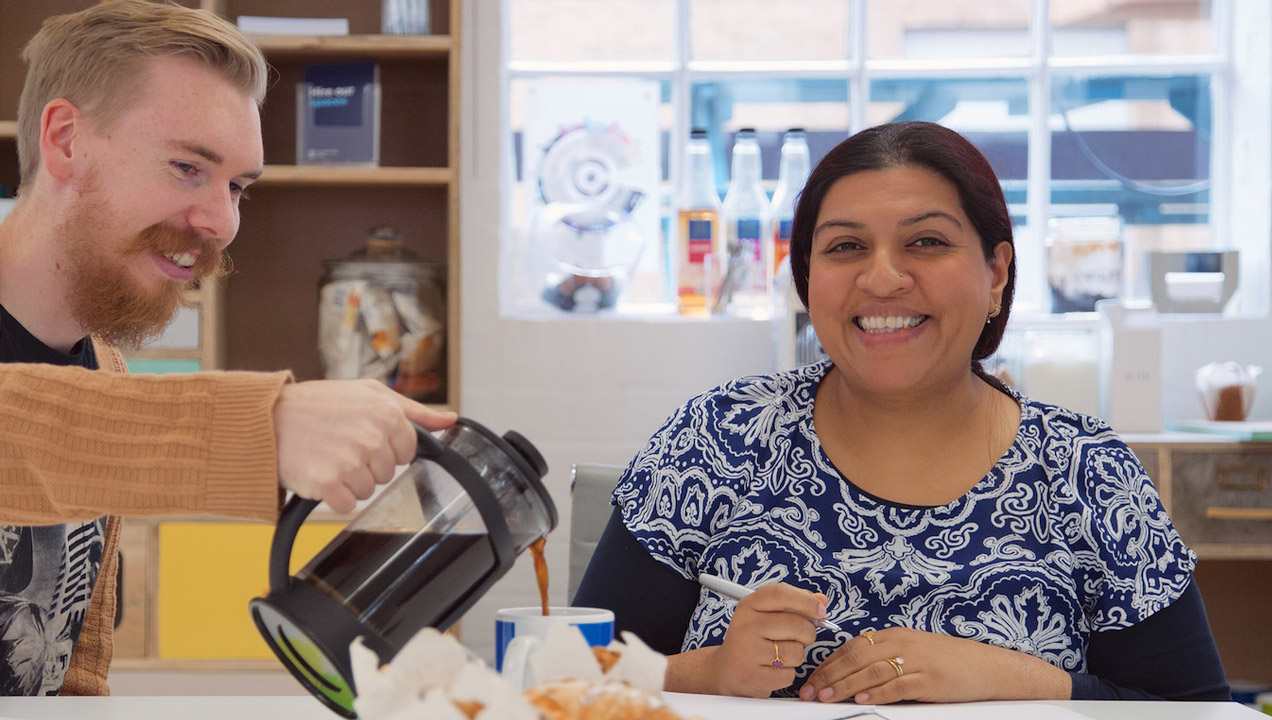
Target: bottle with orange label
<point>791,176</point>
<point>699,245</point>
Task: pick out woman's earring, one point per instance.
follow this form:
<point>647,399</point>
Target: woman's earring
<point>994,313</point>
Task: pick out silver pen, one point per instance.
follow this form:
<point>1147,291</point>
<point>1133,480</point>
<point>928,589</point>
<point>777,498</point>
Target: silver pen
<point>737,592</point>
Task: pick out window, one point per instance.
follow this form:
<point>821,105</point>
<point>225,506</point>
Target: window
<point>1109,114</point>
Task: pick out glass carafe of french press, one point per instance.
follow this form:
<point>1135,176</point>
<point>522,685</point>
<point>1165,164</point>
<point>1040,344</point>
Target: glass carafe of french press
<point>419,555</point>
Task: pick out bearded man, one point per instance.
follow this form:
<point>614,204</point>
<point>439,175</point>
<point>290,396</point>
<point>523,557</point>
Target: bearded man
<point>138,131</point>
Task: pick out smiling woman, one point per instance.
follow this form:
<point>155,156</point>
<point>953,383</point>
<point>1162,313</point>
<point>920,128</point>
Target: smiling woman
<point>967,539</point>
<point>897,276</point>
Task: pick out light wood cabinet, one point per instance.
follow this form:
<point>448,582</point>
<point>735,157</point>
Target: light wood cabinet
<point>265,315</point>
<point>1217,493</point>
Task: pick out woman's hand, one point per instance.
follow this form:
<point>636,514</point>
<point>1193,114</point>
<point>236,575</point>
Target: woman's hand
<point>901,664</point>
<point>763,646</point>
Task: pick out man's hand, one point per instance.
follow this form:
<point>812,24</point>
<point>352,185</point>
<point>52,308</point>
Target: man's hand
<point>338,439</point>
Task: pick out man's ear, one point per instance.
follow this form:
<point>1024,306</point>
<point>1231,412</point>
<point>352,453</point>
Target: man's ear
<point>59,123</point>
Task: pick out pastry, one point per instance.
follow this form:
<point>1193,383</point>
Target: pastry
<point>579,700</point>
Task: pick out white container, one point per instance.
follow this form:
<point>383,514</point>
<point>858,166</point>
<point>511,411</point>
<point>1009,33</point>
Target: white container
<point>1130,367</point>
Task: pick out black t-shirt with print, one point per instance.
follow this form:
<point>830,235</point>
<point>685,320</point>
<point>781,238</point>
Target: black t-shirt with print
<point>47,573</point>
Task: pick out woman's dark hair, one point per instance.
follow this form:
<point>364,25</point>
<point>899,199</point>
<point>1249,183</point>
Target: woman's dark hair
<point>918,145</point>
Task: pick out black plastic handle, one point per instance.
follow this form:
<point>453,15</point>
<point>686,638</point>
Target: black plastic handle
<point>427,447</point>
<point>289,522</point>
<point>298,509</point>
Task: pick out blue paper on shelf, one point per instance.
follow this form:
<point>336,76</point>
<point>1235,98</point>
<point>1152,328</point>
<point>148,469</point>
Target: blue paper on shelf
<point>338,118</point>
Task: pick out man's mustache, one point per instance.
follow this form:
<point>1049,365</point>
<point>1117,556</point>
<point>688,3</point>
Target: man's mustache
<point>210,262</point>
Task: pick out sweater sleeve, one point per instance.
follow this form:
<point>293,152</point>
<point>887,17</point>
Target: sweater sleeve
<point>622,577</point>
<point>77,444</point>
<point>1169,655</point>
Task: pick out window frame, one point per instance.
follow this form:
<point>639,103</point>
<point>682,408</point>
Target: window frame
<point>1227,72</point>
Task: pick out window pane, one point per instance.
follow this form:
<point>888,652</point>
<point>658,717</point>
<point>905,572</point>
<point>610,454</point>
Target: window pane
<point>592,31</point>
<point>1114,27</point>
<point>939,29</point>
<point>771,107</point>
<point>1136,150</point>
<point>764,30</point>
<point>992,113</point>
<point>585,145</point>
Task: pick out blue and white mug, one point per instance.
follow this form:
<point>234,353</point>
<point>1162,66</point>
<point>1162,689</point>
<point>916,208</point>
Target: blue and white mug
<point>518,631</point>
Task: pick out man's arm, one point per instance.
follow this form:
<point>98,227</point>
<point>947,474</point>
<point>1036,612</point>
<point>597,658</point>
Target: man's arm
<point>76,444</point>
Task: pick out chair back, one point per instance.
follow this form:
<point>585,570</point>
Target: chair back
<point>591,485</point>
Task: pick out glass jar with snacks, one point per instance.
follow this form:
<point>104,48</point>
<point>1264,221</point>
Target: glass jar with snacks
<point>382,315</point>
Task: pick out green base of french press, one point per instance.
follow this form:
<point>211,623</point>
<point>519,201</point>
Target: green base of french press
<point>320,663</point>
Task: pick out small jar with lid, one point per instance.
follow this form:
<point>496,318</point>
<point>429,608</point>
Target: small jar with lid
<point>382,315</point>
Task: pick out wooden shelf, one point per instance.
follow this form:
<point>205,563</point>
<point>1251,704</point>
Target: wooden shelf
<point>8,128</point>
<point>1221,551</point>
<point>201,666</point>
<point>383,47</point>
<point>317,175</point>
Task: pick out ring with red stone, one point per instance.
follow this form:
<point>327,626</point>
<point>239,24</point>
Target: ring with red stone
<point>777,657</point>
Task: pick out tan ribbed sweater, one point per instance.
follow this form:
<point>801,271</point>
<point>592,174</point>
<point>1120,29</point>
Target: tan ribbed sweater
<point>76,444</point>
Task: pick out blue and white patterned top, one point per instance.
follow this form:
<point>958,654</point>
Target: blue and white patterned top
<point>1065,536</point>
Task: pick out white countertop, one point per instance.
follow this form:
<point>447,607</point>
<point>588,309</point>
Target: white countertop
<point>305,708</point>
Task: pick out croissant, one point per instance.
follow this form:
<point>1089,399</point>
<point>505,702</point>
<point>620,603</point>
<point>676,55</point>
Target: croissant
<point>580,700</point>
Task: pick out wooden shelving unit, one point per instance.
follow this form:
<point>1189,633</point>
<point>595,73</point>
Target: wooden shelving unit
<point>1197,477</point>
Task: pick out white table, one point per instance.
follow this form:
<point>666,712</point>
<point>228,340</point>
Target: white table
<point>305,708</point>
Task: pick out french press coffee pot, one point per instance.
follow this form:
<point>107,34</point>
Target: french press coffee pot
<point>419,555</point>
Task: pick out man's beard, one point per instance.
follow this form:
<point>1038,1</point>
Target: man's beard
<point>103,297</point>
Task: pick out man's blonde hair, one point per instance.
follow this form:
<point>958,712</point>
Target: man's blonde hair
<point>96,59</point>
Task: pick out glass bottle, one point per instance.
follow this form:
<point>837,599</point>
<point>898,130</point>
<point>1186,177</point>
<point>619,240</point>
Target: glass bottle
<point>747,287</point>
<point>791,176</point>
<point>699,245</point>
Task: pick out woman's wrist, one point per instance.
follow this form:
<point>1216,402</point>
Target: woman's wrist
<point>690,672</point>
<point>1030,678</point>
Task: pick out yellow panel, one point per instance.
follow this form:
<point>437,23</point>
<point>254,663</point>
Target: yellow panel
<point>207,574</point>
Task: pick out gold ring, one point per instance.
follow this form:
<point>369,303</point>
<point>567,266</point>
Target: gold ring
<point>896,664</point>
<point>777,657</point>
<point>869,636</point>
